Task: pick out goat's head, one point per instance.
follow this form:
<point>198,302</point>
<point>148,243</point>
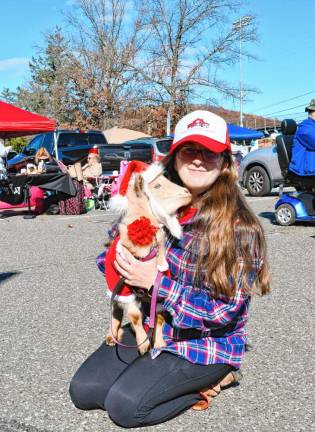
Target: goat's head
<point>152,191</point>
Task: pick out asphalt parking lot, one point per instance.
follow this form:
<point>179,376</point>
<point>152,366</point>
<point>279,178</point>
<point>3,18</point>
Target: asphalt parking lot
<point>53,314</point>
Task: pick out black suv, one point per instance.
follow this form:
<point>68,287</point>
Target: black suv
<point>71,146</point>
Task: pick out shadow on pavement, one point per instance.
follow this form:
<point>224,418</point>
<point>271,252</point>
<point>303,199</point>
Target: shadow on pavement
<point>13,212</point>
<point>268,215</point>
<point>270,194</point>
<point>7,275</point>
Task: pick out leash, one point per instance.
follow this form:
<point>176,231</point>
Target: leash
<point>153,303</point>
<point>154,300</point>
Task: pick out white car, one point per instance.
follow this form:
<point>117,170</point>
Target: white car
<point>259,171</point>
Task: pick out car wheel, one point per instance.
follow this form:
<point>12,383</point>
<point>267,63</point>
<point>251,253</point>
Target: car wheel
<point>257,182</point>
<point>285,215</point>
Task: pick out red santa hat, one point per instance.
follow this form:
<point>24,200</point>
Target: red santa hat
<point>119,202</point>
<point>94,150</point>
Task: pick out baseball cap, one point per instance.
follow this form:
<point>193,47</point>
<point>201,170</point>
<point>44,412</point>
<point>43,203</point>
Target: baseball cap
<point>204,128</point>
<point>311,106</point>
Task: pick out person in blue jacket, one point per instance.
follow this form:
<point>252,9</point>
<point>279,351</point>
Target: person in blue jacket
<point>303,150</point>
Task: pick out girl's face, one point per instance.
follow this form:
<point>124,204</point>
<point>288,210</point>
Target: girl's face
<point>197,167</point>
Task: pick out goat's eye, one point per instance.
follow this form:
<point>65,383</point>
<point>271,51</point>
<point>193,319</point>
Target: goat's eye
<point>157,186</point>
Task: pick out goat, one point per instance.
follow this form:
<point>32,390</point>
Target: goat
<point>151,201</point>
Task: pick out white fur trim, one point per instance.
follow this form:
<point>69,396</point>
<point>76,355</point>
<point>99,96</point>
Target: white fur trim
<point>152,172</point>
<point>118,204</point>
<point>175,227</point>
<point>122,299</point>
<point>163,268</point>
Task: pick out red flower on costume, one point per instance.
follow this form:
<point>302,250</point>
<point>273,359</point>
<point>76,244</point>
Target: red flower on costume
<point>141,232</point>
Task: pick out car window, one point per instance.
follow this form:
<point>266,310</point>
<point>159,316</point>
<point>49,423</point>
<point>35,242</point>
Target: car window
<point>77,139</point>
<point>72,139</point>
<point>34,145</point>
<point>96,138</point>
<point>48,142</point>
<point>164,145</point>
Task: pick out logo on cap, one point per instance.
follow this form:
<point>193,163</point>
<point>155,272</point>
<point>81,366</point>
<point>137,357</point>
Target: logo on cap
<point>199,122</point>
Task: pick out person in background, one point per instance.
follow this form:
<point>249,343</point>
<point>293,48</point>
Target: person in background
<point>303,150</point>
<point>93,168</point>
<point>213,272</point>
<point>41,158</point>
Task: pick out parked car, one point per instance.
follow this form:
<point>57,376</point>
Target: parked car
<point>75,145</point>
<point>71,146</point>
<point>160,146</point>
<point>259,171</point>
<point>11,154</point>
<point>112,154</point>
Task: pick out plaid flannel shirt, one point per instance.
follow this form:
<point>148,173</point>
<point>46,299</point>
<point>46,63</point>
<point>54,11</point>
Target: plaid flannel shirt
<point>192,306</point>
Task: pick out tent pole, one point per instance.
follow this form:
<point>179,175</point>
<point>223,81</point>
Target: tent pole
<point>55,145</point>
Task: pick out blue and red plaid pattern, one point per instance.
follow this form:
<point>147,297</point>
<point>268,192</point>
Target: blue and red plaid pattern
<point>192,306</point>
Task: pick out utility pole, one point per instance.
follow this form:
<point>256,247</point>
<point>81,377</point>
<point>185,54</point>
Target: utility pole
<point>238,25</point>
<point>168,123</point>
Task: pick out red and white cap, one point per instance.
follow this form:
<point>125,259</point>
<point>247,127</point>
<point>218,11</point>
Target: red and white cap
<point>94,150</point>
<point>118,202</point>
<point>204,128</point>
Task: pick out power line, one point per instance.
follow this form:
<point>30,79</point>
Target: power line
<point>287,100</point>
<point>287,109</point>
<point>296,113</point>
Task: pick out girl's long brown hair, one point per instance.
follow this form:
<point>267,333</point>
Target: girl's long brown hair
<point>230,237</point>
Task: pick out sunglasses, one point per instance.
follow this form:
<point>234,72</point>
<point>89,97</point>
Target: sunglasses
<point>187,154</point>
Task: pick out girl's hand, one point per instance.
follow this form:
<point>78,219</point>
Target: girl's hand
<point>136,273</point>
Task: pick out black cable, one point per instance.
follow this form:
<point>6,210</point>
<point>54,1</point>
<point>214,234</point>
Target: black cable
<point>292,114</point>
<point>287,100</point>
<point>287,109</point>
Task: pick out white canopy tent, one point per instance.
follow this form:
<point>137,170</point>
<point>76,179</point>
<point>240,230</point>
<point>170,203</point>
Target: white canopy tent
<point>118,135</point>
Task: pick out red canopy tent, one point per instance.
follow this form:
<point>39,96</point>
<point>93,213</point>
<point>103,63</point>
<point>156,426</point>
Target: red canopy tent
<point>16,122</point>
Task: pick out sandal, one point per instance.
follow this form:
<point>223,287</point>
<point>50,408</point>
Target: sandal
<point>209,393</point>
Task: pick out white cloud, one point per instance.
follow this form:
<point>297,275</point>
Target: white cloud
<point>14,64</point>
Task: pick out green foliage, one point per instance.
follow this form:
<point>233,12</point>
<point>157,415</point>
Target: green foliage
<point>17,143</point>
<point>8,96</point>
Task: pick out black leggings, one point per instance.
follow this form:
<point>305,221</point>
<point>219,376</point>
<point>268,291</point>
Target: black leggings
<point>136,390</point>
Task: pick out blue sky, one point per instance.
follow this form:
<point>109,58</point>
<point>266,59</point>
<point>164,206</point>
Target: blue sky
<point>285,68</point>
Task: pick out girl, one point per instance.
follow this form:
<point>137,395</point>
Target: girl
<point>214,270</point>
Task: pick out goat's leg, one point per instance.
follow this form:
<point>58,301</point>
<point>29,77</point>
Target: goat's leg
<point>135,317</point>
<point>161,259</point>
<point>115,332</point>
<point>158,336</point>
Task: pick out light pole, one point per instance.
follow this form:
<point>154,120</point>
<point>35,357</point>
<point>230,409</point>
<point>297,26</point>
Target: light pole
<point>238,25</point>
<point>168,122</point>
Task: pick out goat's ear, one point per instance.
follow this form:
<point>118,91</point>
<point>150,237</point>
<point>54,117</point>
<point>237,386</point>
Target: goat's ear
<point>139,185</point>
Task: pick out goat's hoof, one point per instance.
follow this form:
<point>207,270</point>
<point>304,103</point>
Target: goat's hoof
<point>159,344</point>
<point>120,334</point>
<point>110,340</point>
<point>143,348</point>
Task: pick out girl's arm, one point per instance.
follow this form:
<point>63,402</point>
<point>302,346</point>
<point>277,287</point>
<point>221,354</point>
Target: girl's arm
<point>192,307</point>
